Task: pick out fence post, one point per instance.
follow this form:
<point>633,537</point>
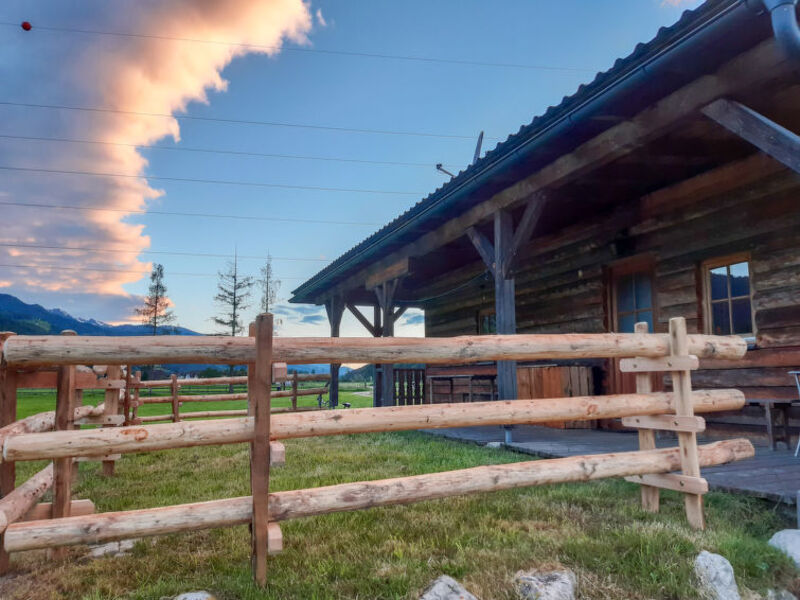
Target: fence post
<point>259,387</point>
<point>62,467</point>
<point>682,389</point>
<point>111,407</point>
<point>8,414</point>
<point>647,437</point>
<point>136,396</point>
<point>175,405</point>
<point>294,391</point>
<point>126,400</point>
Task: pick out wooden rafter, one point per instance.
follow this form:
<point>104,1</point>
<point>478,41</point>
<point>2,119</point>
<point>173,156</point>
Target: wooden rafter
<point>766,135</point>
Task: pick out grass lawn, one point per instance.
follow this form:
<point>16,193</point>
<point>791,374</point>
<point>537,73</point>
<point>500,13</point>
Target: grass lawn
<point>596,529</point>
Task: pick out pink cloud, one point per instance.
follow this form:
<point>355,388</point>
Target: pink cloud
<point>140,75</point>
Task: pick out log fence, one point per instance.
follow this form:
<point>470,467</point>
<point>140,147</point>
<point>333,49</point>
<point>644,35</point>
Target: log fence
<point>262,429</point>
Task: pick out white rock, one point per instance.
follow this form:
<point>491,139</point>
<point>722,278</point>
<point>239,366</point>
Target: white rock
<point>120,548</point>
<point>780,595</point>
<point>196,596</point>
<point>553,585</point>
<point>494,445</point>
<point>715,577</point>
<point>446,588</point>
<point>788,542</point>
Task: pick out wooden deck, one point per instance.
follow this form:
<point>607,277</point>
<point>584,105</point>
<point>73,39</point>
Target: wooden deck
<point>773,475</point>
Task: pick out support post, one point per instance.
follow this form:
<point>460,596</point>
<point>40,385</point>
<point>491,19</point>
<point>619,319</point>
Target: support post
<point>176,406</point>
<point>62,467</point>
<point>8,414</point>
<point>647,437</point>
<point>295,385</point>
<point>111,408</point>
<point>126,400</point>
<point>682,389</point>
<point>136,396</point>
<point>259,387</point>
<point>335,308</point>
<point>385,293</point>
<point>505,308</point>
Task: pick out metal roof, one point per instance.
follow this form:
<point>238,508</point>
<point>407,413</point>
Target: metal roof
<point>650,72</point>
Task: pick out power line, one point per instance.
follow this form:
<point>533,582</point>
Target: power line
<point>160,252</point>
<point>427,165</point>
<point>93,109</point>
<point>399,57</point>
<point>187,214</point>
<point>210,181</point>
<point>101,270</point>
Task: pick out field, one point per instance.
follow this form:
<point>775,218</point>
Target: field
<point>596,529</point>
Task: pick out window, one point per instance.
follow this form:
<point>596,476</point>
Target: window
<point>487,322</point>
<point>634,301</point>
<point>727,297</point>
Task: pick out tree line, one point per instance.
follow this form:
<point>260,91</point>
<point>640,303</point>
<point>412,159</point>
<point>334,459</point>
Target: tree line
<point>233,297</point>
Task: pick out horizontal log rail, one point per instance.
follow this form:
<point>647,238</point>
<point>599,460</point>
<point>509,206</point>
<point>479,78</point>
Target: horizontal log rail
<point>46,421</point>
<point>213,414</point>
<point>27,351</point>
<point>230,397</point>
<point>106,527</point>
<point>15,505</point>
<point>235,380</point>
<point>99,442</point>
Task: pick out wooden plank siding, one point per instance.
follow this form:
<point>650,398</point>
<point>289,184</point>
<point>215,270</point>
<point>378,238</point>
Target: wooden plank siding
<point>562,286</point>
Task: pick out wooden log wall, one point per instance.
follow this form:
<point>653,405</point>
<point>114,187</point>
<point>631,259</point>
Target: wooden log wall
<point>562,279</point>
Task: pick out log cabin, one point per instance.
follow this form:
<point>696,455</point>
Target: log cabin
<point>667,186</point>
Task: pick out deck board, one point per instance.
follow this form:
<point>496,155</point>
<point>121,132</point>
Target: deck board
<point>772,475</point>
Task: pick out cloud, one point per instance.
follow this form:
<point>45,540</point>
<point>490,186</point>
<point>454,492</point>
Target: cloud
<point>313,319</point>
<point>137,74</point>
<point>414,319</point>
<point>320,19</point>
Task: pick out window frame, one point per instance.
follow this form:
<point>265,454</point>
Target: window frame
<point>485,312</point>
<point>705,271</point>
<point>637,265</point>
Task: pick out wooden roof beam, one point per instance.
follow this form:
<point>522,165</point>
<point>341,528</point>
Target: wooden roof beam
<point>766,135</point>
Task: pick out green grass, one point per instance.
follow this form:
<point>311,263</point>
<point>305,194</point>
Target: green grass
<point>596,529</point>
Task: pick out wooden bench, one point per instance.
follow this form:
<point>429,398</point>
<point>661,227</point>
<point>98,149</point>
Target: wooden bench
<point>773,406</point>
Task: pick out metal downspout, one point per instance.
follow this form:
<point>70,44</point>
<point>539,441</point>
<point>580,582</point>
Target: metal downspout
<point>784,26</point>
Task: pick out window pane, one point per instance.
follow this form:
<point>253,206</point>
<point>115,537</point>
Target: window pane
<point>644,296</point>
<point>646,316</point>
<point>742,316</point>
<point>720,322</point>
<point>626,323</point>
<point>719,283</point>
<point>740,279</point>
<point>625,294</point>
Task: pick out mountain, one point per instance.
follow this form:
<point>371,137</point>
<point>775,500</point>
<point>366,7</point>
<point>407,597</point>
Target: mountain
<point>34,319</point>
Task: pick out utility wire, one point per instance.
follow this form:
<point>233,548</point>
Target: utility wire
<point>399,57</point>
<point>185,214</point>
<point>426,165</point>
<point>210,181</point>
<point>161,252</point>
<point>95,109</point>
<point>101,270</point>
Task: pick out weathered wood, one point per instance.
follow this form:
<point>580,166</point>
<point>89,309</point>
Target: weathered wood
<point>37,446</point>
<point>484,247</point>
<point>274,539</point>
<point>105,420</point>
<point>127,397</point>
<point>672,481</point>
<point>46,421</point>
<point>363,320</point>
<point>295,504</point>
<point>390,273</point>
<point>647,438</point>
<point>47,380</point>
<point>212,397</point>
<point>666,423</point>
<point>665,363</point>
<point>18,502</point>
<point>175,399</point>
<point>259,387</point>
<point>111,409</point>
<point>63,467</point>
<point>766,135</point>
<point>334,307</point>
<point>527,223</point>
<point>277,454</point>
<point>504,302</point>
<point>8,415</point>
<point>44,510</point>
<point>36,350</point>
<point>684,407</point>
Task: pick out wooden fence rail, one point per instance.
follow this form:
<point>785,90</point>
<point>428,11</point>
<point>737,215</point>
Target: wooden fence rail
<point>262,427</point>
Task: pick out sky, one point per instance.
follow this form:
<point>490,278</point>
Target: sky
<point>289,128</point>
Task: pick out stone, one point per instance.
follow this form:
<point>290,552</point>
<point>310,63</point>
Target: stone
<point>494,445</point>
<point>196,596</point>
<point>780,595</point>
<point>446,588</point>
<point>551,585</point>
<point>715,579</point>
<point>114,549</point>
<point>788,542</point>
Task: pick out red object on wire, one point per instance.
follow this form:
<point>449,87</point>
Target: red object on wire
<point>26,25</point>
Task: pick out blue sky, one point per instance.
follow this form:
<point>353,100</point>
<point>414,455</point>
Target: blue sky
<point>570,40</point>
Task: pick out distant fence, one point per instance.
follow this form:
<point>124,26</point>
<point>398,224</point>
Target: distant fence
<point>176,399</point>
<point>646,410</point>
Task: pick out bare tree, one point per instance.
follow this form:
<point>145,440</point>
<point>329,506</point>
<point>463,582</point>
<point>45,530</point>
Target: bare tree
<point>154,313</point>
<point>233,297</point>
<point>270,285</point>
